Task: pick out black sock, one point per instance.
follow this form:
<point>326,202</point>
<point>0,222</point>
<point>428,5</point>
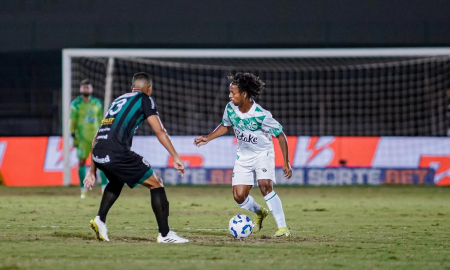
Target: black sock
<point>110,195</point>
<point>160,207</point>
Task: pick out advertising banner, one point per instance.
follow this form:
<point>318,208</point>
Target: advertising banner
<point>38,161</point>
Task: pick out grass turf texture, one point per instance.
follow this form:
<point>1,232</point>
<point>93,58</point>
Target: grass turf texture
<point>333,228</point>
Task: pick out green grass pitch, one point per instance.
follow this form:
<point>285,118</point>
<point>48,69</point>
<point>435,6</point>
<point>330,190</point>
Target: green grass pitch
<point>356,227</point>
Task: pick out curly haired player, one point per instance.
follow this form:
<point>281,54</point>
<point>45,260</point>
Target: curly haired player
<point>255,160</point>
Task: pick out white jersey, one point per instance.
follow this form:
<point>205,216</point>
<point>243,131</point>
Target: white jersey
<point>254,130</point>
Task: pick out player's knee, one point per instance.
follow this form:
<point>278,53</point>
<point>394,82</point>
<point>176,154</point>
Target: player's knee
<point>239,198</point>
<point>265,189</point>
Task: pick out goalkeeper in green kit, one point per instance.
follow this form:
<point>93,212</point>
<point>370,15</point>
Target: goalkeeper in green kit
<point>86,114</point>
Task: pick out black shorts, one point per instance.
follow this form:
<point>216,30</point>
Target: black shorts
<point>126,167</point>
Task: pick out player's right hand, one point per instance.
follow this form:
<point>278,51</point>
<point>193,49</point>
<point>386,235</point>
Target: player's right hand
<point>89,180</point>
<point>201,140</point>
<point>179,166</point>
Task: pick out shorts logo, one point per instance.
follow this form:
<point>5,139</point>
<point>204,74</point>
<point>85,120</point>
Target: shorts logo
<point>264,170</point>
<point>101,160</point>
<point>145,162</point>
<point>107,121</point>
<point>237,157</point>
<point>103,137</point>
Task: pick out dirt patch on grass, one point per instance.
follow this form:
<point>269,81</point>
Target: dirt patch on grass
<point>82,236</point>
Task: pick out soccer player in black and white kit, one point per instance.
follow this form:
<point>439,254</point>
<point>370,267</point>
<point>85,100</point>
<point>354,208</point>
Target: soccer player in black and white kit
<point>254,128</point>
<point>111,154</point>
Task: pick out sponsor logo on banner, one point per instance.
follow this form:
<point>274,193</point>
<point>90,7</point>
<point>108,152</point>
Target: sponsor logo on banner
<point>314,151</point>
<point>316,160</point>
<point>54,155</point>
<point>307,176</point>
<point>441,164</point>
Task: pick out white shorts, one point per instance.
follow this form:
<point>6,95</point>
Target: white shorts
<point>248,172</point>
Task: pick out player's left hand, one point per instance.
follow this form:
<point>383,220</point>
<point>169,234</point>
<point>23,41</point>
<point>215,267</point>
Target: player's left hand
<point>287,169</point>
<point>89,180</point>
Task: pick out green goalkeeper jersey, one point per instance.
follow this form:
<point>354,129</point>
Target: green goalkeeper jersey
<point>85,118</point>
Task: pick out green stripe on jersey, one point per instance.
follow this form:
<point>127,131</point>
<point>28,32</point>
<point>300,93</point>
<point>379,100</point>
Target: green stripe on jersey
<point>130,115</point>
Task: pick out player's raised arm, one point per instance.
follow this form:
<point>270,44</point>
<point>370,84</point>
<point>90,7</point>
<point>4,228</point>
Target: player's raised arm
<point>219,131</point>
<point>164,139</point>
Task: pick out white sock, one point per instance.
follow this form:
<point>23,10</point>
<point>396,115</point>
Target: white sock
<point>250,204</point>
<point>103,188</point>
<point>83,190</point>
<point>275,206</point>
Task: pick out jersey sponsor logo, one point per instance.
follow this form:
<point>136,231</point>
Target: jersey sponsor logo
<point>102,137</point>
<point>101,160</point>
<point>87,119</point>
<point>145,162</point>
<point>153,103</point>
<point>264,170</point>
<point>107,121</point>
<point>245,138</point>
<point>135,129</point>
<point>104,129</point>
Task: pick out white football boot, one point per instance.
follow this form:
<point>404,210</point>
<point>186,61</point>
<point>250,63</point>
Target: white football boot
<point>99,227</point>
<point>171,238</point>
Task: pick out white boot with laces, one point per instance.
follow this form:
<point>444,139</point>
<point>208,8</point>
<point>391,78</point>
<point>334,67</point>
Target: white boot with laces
<point>171,238</point>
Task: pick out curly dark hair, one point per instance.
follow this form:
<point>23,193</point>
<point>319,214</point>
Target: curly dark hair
<point>249,83</point>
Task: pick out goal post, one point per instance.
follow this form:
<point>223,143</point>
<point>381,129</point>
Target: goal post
<point>307,77</point>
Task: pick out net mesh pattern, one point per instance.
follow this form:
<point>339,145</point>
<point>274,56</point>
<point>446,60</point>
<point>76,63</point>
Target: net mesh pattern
<point>350,96</point>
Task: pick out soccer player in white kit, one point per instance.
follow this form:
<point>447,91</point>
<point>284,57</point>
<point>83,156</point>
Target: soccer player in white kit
<point>255,160</point>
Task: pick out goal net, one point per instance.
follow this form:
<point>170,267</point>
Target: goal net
<point>352,92</point>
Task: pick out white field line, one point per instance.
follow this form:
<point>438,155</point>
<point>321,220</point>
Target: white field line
<point>118,227</point>
<point>136,228</point>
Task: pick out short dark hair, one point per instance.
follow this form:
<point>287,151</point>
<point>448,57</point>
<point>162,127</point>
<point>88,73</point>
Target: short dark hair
<point>84,82</point>
<point>247,82</point>
<point>142,76</point>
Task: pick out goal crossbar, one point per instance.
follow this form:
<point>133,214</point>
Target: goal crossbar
<point>68,54</point>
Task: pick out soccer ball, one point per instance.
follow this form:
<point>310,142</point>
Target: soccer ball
<point>240,226</point>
